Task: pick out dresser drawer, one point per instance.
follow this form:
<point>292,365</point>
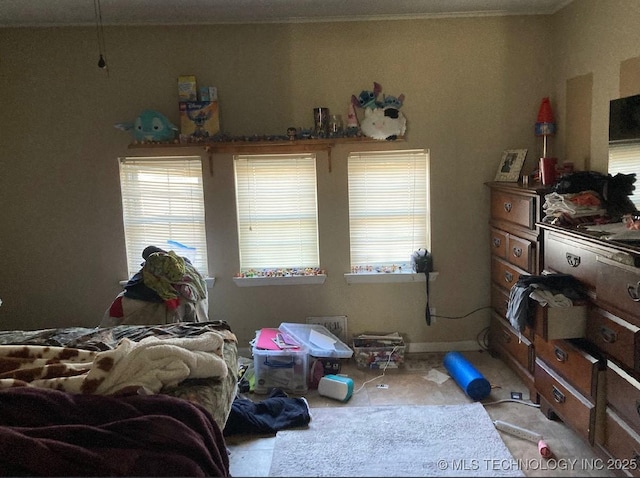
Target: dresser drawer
<point>499,300</point>
<point>623,394</point>
<point>623,444</point>
<point>500,303</point>
<point>498,243</point>
<point>616,337</point>
<point>574,364</point>
<point>504,274</point>
<point>552,323</point>
<point>513,208</point>
<point>571,406</point>
<point>520,252</point>
<point>568,257</point>
<point>503,336</point>
<point>618,285</point>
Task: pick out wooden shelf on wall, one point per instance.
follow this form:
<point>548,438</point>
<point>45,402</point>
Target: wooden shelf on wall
<point>265,146</point>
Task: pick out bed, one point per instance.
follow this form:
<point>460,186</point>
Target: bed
<point>127,400</point>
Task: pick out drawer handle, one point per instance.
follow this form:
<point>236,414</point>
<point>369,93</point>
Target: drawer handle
<point>506,338</point>
<point>508,276</point>
<point>497,242</point>
<point>573,260</point>
<point>638,407</point>
<point>608,335</point>
<point>517,251</point>
<point>558,396</point>
<point>561,355</point>
<point>507,206</point>
<point>634,291</point>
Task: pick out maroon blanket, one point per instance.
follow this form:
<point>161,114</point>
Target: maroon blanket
<point>52,433</point>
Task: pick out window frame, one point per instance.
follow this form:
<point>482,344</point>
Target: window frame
<point>185,214</point>
<point>291,240</point>
<point>624,158</point>
<point>377,272</point>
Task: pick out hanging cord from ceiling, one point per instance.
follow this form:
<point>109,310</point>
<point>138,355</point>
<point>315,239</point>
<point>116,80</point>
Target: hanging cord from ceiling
<point>102,49</point>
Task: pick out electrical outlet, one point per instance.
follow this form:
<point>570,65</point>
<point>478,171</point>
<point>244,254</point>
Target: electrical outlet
<point>432,311</point>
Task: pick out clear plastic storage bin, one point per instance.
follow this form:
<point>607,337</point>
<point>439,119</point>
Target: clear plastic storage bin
<point>284,369</point>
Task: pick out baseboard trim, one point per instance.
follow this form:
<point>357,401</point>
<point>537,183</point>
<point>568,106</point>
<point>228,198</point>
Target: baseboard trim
<point>421,347</point>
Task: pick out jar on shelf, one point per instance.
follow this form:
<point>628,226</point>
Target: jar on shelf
<point>335,125</point>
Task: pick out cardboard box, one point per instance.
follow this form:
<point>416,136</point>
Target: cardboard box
<point>561,322</point>
<point>199,119</point>
<point>187,88</point>
<point>208,93</point>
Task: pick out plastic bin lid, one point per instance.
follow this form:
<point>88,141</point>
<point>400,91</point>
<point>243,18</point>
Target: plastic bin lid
<point>318,339</point>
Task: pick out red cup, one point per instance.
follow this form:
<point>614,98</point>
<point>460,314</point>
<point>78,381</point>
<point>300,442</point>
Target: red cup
<point>548,170</point>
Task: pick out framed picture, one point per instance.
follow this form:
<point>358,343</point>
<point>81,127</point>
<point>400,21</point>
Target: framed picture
<point>511,165</point>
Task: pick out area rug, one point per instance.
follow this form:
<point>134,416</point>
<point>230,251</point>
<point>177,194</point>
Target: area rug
<point>442,440</point>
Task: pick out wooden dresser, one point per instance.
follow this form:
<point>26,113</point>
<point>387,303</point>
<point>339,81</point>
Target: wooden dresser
<point>599,395</point>
<point>515,242</point>
<point>586,374</point>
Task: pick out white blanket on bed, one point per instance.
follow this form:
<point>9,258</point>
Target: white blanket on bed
<point>150,364</point>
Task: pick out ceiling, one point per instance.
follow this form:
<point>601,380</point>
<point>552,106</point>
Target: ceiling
<point>30,13</point>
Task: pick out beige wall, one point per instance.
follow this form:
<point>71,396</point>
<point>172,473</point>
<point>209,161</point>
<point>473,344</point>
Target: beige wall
<point>593,38</point>
<point>472,85</point>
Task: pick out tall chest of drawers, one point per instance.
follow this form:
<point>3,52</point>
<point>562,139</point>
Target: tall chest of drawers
<point>611,273</point>
<point>515,242</point>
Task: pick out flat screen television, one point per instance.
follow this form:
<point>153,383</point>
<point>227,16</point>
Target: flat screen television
<point>624,140</point>
<point>624,119</point>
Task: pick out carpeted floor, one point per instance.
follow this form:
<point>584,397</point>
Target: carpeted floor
<point>438,440</point>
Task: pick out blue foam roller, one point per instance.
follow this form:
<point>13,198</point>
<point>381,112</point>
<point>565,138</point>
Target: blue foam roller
<point>467,376</point>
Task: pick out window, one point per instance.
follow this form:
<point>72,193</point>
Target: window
<point>163,205</point>
<point>624,158</point>
<point>277,211</point>
<point>388,209</point>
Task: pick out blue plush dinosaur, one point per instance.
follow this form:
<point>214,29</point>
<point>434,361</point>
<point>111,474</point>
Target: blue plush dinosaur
<point>150,125</point>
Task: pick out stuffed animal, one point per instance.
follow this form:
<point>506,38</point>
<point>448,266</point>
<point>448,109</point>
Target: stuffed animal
<point>382,119</point>
<point>150,126</point>
<point>383,123</point>
<point>367,98</point>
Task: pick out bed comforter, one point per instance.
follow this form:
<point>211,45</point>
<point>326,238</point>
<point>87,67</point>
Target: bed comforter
<point>129,400</point>
<point>53,433</point>
<point>214,393</point>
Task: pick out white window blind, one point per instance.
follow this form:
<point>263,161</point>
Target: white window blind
<point>624,158</point>
<point>163,205</point>
<point>277,211</point>
<point>388,207</point>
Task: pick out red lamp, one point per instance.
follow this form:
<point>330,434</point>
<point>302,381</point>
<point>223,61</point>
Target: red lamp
<point>546,126</point>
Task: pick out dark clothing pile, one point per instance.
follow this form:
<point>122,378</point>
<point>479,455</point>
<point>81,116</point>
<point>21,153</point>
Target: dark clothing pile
<point>277,412</point>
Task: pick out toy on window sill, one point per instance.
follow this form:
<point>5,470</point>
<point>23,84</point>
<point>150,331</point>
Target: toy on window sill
<point>150,126</point>
<point>382,119</point>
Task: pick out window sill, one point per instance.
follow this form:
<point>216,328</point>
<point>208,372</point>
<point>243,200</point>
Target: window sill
<point>381,277</point>
<point>209,280</point>
<point>291,280</point>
